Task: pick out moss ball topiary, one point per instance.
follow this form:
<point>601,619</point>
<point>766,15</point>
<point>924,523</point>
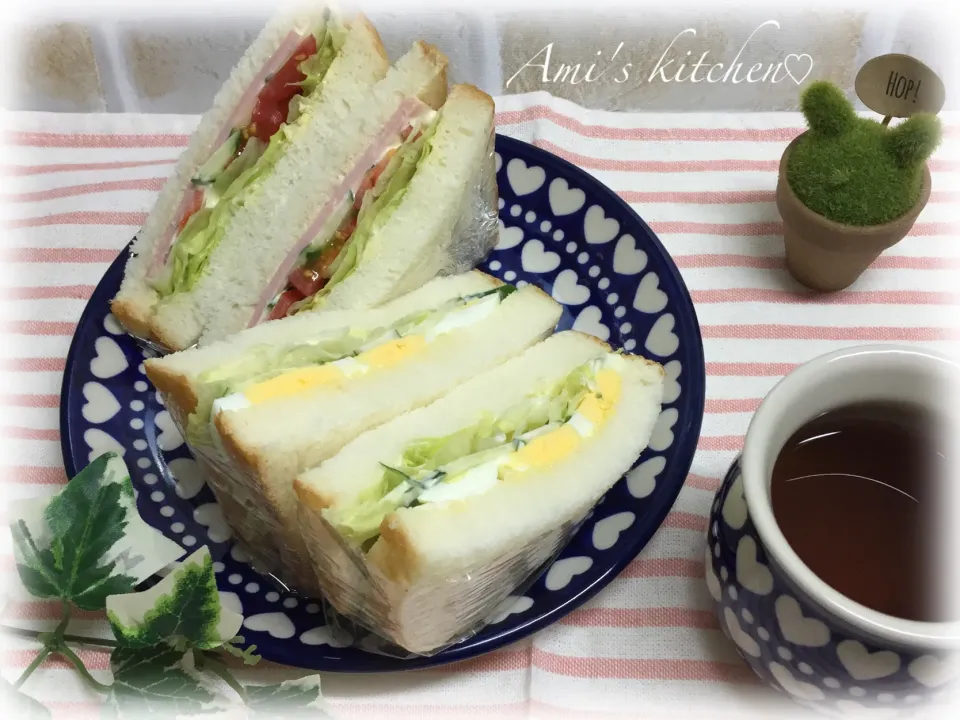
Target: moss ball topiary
<point>854,170</point>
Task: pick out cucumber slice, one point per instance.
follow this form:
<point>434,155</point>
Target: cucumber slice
<point>211,169</point>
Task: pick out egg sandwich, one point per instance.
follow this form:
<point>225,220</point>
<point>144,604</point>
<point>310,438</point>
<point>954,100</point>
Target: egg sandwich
<point>284,396</point>
<point>421,527</point>
<point>322,178</point>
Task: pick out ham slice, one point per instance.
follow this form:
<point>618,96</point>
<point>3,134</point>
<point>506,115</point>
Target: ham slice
<point>240,117</point>
<point>409,109</point>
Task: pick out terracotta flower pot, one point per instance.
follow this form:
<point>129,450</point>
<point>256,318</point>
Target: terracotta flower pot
<point>827,255</point>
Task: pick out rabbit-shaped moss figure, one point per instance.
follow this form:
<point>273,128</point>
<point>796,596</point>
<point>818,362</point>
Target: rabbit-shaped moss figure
<point>854,170</point>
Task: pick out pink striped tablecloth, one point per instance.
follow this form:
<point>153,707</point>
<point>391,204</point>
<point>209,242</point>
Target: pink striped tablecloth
<point>79,186</point>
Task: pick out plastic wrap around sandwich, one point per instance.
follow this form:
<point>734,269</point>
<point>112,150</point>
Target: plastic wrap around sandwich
<point>279,398</point>
<point>421,528</point>
<point>322,178</point>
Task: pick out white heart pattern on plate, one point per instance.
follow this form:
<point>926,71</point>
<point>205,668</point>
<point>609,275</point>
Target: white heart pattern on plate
<point>187,477</point>
<point>112,325</point>
<point>751,573</point>
<point>110,360</point>
<point>567,291</point>
<point>713,584</point>
<point>509,237</point>
<point>642,480</point>
<point>734,511</point>
<point>169,437</point>
<point>662,436</point>
<point>865,665</point>
<point>323,635</point>
<point>100,442</point>
<point>598,228</point>
<point>627,258</point>
<point>588,321</point>
<point>649,297</point>
<point>499,161</point>
<point>231,601</point>
<point>607,531</point>
<point>211,517</point>
<point>795,687</point>
<point>100,403</point>
<point>661,339</point>
<point>524,180</point>
<point>933,671</point>
<point>742,639</point>
<point>671,388</point>
<point>275,624</point>
<point>565,200</point>
<point>511,606</point>
<point>562,571</point>
<point>535,259</point>
<point>797,629</point>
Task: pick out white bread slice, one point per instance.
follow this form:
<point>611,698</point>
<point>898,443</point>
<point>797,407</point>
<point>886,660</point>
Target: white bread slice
<point>272,442</point>
<point>416,244</point>
<point>264,231</point>
<point>363,61</point>
<point>439,570</point>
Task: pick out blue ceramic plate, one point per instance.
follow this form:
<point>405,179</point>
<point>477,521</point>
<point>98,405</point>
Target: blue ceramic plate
<point>561,230</point>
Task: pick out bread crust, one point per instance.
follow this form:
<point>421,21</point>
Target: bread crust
<point>435,94</point>
<point>175,384</point>
<point>134,317</point>
<point>363,24</point>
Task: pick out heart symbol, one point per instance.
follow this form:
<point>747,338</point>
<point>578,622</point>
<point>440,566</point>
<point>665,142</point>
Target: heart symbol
<point>109,360</point>
<point>933,671</point>
<point>562,571</point>
<point>187,477</point>
<point>513,605</point>
<point>238,554</point>
<point>607,531</point>
<point>524,180</point>
<point>112,325</point>
<point>650,298</point>
<point>324,635</point>
<point>735,506</point>
<point>671,388</point>
<point>99,443</point>
<point>753,575</point>
<point>627,259</point>
<point>742,639</point>
<point>662,436</point>
<point>797,629</point>
<point>276,624</point>
<point>169,437</point>
<point>598,228</point>
<point>535,259</point>
<point>565,200</point>
<point>801,56</point>
<point>588,322</point>
<point>211,517</point>
<point>642,480</point>
<point>509,237</point>
<point>499,161</point>
<point>713,584</point>
<point>100,403</point>
<point>803,690</point>
<point>231,601</point>
<point>662,340</point>
<point>865,665</point>
<point>566,290</point>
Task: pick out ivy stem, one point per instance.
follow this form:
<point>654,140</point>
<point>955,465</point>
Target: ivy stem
<point>78,664</point>
<point>221,671</point>
<point>35,634</point>
<point>37,662</point>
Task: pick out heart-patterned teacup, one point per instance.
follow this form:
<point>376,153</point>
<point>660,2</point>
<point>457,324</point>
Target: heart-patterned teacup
<point>796,632</point>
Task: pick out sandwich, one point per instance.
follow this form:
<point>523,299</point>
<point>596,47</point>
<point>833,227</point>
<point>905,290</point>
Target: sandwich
<point>267,206</point>
<point>269,402</point>
<point>421,527</point>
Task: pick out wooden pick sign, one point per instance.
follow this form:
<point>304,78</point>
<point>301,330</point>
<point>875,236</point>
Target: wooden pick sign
<point>897,85</point>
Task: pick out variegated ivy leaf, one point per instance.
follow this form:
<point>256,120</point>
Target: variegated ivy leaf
<point>289,699</point>
<point>152,682</point>
<point>87,541</point>
<point>183,610</point>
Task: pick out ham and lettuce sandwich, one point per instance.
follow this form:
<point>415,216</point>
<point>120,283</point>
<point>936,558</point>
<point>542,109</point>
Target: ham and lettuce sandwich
<point>421,527</point>
<point>312,145</point>
<point>284,396</point>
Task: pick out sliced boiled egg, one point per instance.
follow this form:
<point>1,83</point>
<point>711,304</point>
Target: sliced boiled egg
<point>472,313</point>
<point>473,482</point>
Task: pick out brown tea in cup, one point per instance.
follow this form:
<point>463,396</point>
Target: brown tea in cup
<point>858,494</point>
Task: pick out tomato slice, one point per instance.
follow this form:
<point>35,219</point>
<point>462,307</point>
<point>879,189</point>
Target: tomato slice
<point>306,281</point>
<point>370,179</point>
<point>283,304</point>
<point>273,102</point>
<point>196,203</point>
